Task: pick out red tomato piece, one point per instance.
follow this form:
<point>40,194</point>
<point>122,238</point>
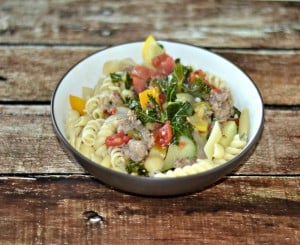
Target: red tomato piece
<point>139,85</point>
<point>163,135</point>
<point>236,120</point>
<point>163,64</point>
<point>140,75</point>
<point>117,139</point>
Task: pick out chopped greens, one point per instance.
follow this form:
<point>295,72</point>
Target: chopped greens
<point>116,77</point>
<point>198,87</point>
<point>167,86</point>
<point>136,168</point>
<point>174,111</point>
<point>123,77</point>
<point>150,114</point>
<point>177,113</point>
<point>180,76</point>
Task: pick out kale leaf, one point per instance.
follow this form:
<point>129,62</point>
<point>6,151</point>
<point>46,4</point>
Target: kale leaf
<point>198,88</point>
<point>150,114</point>
<point>177,112</point>
<point>167,86</point>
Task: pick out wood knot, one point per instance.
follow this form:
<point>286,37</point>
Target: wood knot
<point>93,217</point>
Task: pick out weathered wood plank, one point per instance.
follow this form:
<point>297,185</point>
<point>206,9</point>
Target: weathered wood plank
<point>239,210</point>
<point>28,144</point>
<point>276,74</point>
<point>208,23</point>
<point>31,73</point>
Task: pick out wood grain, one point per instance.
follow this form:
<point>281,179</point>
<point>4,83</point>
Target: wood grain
<point>30,145</point>
<point>272,24</point>
<point>31,73</point>
<point>47,198</point>
<point>239,210</point>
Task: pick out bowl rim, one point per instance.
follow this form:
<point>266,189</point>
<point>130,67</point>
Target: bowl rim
<point>151,179</point>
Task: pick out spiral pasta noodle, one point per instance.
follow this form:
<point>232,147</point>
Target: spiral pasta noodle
<point>117,159</point>
<point>200,166</point>
<point>90,130</point>
<point>108,128</point>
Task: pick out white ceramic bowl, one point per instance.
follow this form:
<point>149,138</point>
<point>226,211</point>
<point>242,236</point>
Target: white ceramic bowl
<point>88,71</point>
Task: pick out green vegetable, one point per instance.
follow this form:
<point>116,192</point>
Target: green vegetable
<point>198,88</point>
<point>174,111</point>
<point>185,97</point>
<point>177,113</point>
<point>150,114</point>
<point>122,77</point>
<point>229,130</point>
<point>136,168</point>
<point>180,76</point>
<point>116,77</point>
<point>166,86</point>
<point>185,148</point>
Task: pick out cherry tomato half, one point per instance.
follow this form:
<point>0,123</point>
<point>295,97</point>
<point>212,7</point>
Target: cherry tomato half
<point>163,135</point>
<point>163,64</point>
<point>117,139</point>
<point>140,75</point>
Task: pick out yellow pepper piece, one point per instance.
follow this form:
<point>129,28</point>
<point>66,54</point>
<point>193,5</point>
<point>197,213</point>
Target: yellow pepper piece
<point>199,123</point>
<point>150,49</point>
<point>144,98</point>
<point>77,104</point>
<point>202,126</point>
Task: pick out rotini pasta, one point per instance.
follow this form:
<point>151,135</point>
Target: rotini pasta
<point>90,130</point>
<point>117,159</point>
<point>108,128</point>
<point>201,165</point>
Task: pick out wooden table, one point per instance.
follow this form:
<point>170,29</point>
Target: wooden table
<point>47,198</point>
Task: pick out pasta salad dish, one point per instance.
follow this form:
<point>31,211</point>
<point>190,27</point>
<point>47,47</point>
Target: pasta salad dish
<point>159,118</point>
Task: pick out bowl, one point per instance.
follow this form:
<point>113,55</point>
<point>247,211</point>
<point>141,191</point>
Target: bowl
<point>88,71</point>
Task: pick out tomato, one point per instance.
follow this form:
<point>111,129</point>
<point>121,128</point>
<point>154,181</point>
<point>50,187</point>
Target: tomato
<point>140,75</point>
<point>109,112</point>
<point>236,120</point>
<point>163,64</point>
<point>139,85</point>
<point>117,139</point>
<point>163,135</point>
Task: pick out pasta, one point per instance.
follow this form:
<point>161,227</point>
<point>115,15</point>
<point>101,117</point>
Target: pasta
<point>90,130</point>
<point>117,159</point>
<point>108,128</point>
<point>162,120</point>
<point>200,166</point>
